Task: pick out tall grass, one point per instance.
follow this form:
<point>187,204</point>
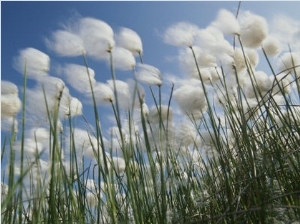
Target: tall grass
<point>249,174</point>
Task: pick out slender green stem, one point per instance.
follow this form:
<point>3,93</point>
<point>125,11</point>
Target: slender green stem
<point>22,143</point>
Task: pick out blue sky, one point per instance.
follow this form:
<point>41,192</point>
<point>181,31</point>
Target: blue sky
<point>27,24</point>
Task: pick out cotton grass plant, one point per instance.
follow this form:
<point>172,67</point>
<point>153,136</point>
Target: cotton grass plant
<point>223,147</point>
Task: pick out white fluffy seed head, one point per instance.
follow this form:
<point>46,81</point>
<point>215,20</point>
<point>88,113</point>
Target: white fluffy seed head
<point>97,36</point>
<point>282,83</point>
<point>239,59</point>
<point>226,22</point>
<point>119,164</point>
<point>216,74</point>
<point>145,110</point>
<point>287,31</point>
<point>78,77</point>
<point>53,86</point>
<point>148,74</point>
<point>271,46</point>
<point>261,83</point>
<point>8,87</point>
<point>65,43</point>
<point>290,62</point>
<point>10,105</point>
<point>203,57</point>
<point>33,62</point>
<point>74,107</point>
<point>32,147</point>
<point>165,114</point>
<point>252,56</point>
<point>254,29</point>
<point>103,93</point>
<point>10,102</point>
<point>130,40</point>
<point>181,34</point>
<point>39,134</point>
<point>51,90</point>
<point>186,134</point>
<point>212,41</point>
<point>92,199</point>
<point>123,59</point>
<point>191,100</point>
<point>9,124</point>
<point>123,92</point>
